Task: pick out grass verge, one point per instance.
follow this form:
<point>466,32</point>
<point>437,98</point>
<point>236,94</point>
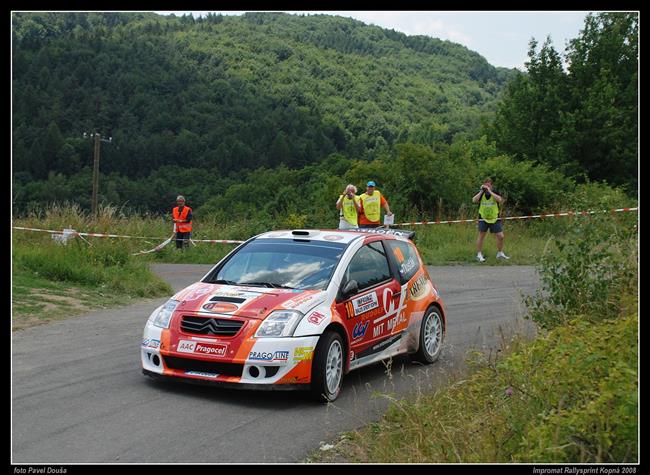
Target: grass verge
<point>559,399</point>
<point>51,281</point>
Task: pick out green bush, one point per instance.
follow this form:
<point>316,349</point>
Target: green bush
<point>527,187</point>
<point>586,272</point>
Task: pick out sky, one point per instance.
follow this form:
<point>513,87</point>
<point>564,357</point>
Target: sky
<point>500,37</point>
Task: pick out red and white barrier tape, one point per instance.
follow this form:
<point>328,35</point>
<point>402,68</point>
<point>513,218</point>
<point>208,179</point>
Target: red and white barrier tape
<point>100,235</point>
<point>530,216</point>
<point>76,233</point>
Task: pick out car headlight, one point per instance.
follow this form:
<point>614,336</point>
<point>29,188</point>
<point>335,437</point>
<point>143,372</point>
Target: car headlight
<point>164,315</point>
<point>279,323</point>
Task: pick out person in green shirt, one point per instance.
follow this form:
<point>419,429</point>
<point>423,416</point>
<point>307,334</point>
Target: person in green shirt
<point>489,201</point>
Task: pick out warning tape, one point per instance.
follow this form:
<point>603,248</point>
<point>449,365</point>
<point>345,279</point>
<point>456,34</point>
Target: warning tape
<point>530,216</point>
<point>158,248</point>
<point>77,233</point>
<point>100,235</point>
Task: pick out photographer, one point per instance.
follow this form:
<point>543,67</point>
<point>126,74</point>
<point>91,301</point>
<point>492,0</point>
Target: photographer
<point>349,206</point>
<point>489,201</point>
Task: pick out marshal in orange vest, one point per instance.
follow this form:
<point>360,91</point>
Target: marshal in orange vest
<point>182,215</point>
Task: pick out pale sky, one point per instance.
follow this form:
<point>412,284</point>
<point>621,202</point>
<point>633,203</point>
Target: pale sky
<point>500,37</point>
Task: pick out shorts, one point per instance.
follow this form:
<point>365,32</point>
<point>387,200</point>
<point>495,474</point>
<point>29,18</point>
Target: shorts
<point>345,224</point>
<point>373,225</point>
<point>494,227</point>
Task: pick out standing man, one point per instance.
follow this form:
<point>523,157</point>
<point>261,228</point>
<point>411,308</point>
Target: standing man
<point>349,207</point>
<point>182,216</point>
<point>488,212</point>
<point>371,203</point>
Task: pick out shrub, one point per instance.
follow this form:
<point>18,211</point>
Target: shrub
<point>586,272</point>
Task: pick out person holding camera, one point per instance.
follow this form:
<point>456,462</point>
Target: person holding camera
<point>349,207</point>
<point>489,201</point>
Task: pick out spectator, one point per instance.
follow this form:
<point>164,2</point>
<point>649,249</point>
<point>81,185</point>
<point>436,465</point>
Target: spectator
<point>371,203</point>
<point>488,211</point>
<point>349,207</point>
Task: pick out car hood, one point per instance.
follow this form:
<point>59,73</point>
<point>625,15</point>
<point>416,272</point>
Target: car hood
<point>244,301</point>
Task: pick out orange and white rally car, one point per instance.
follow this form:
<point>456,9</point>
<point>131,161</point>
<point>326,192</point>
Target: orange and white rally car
<point>299,309</point>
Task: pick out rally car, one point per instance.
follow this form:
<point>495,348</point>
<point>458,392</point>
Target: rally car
<point>299,309</point>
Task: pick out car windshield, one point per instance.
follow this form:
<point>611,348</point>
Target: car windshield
<point>280,263</point>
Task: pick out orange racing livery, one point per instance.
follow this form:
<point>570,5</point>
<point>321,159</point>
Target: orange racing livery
<point>299,309</point>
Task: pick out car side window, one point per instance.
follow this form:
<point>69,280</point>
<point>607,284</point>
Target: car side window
<point>405,256</point>
<point>369,266</point>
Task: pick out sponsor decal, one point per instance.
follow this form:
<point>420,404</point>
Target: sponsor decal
<point>316,318</point>
<point>352,355</point>
<point>230,293</point>
<point>197,293</point>
<point>303,353</point>
<point>365,303</point>
<point>332,237</point>
<point>281,355</point>
<point>201,373</point>
<point>407,266</point>
<point>150,343</point>
<point>359,330</point>
<point>386,343</point>
<point>298,300</point>
<point>419,288</point>
<point>213,349</point>
<point>388,325</point>
<point>219,307</point>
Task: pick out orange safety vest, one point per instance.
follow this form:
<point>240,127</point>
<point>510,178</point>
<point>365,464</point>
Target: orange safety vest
<point>182,227</point>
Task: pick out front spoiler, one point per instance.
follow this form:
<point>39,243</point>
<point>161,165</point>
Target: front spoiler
<point>228,385</point>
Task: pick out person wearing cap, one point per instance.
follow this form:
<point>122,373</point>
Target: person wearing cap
<point>349,207</point>
<point>371,203</point>
<point>182,216</point>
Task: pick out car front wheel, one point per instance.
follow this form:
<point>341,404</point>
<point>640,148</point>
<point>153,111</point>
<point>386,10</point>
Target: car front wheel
<point>327,367</point>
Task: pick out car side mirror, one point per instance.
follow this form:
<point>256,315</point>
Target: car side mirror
<point>351,288</point>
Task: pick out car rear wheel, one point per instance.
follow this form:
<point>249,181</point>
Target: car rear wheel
<point>431,337</point>
<point>327,367</point>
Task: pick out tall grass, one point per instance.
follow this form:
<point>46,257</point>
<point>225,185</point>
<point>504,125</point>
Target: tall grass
<point>105,264</point>
<point>439,244</point>
<point>571,396</point>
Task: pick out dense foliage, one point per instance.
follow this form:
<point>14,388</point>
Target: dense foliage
<point>582,120</point>
<point>192,103</point>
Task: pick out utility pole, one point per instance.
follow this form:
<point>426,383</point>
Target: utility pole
<point>97,138</point>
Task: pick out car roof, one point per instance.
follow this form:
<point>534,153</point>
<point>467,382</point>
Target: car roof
<point>336,235</point>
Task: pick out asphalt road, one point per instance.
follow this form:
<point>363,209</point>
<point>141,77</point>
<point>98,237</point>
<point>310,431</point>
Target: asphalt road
<point>78,394</point>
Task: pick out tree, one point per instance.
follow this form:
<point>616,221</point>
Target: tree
<point>528,118</point>
<point>601,127</point>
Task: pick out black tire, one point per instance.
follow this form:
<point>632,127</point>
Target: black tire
<point>330,348</point>
<point>433,325</point>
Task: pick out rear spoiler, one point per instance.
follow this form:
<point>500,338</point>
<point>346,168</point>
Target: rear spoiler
<point>389,232</point>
